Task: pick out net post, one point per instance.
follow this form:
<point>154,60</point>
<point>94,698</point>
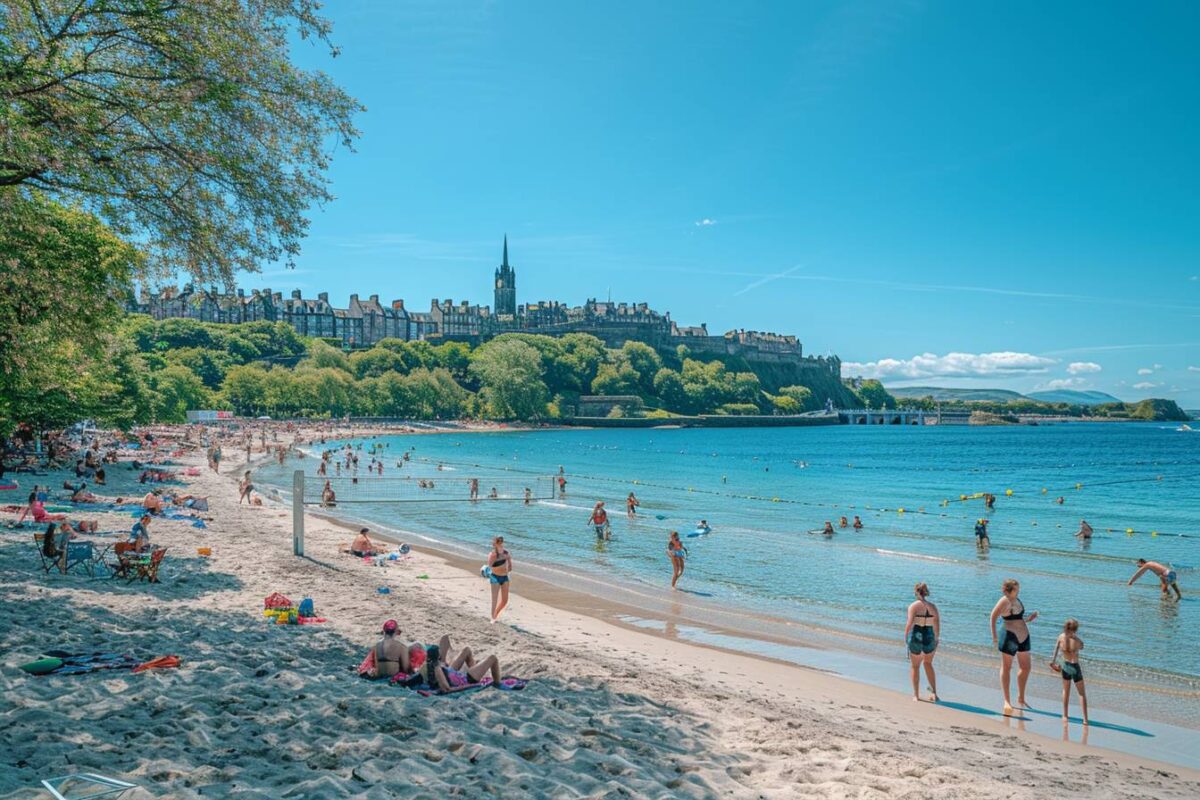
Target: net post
<point>298,512</point>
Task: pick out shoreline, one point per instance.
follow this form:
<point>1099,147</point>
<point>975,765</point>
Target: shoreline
<point>851,671</point>
<point>613,709</point>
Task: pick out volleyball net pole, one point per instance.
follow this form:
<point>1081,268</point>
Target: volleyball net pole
<point>298,512</point>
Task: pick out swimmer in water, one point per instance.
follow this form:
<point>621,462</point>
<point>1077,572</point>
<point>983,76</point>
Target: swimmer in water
<point>843,523</point>
<point>677,553</point>
<point>1085,530</point>
<point>921,633</point>
<point>1166,576</point>
<point>1016,641</point>
<point>703,527</point>
<point>631,505</point>
<point>1061,500</point>
<point>599,521</point>
<point>1069,644</point>
<point>828,529</point>
<point>857,523</point>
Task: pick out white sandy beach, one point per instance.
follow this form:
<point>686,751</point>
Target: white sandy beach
<point>263,711</point>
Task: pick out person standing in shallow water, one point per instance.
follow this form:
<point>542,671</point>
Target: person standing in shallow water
<point>1016,642</point>
<point>921,634</point>
<point>677,553</point>
<point>1069,645</point>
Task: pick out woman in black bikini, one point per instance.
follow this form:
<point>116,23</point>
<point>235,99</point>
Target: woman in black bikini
<point>1016,641</point>
<point>921,633</point>
<point>500,565</point>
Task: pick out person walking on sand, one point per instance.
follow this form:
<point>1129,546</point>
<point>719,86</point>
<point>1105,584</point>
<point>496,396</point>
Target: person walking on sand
<point>216,459</point>
<point>677,553</point>
<point>1068,645</point>
<point>631,505</point>
<point>500,566</point>
<point>1166,576</point>
<point>921,633</point>
<point>245,488</point>
<point>1016,641</point>
<point>599,521</point>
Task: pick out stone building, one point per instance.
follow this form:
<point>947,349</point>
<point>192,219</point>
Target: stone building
<point>363,323</point>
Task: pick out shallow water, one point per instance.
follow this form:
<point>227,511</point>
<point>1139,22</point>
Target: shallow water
<point>763,490</point>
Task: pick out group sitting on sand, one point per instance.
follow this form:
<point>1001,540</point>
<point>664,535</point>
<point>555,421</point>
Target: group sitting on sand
<point>431,665</point>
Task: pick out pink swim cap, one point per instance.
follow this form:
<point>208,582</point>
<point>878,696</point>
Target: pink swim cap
<point>390,626</point>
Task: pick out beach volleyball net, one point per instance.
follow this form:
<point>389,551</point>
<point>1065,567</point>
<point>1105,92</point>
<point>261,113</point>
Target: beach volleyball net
<point>452,486</point>
<point>448,487</point>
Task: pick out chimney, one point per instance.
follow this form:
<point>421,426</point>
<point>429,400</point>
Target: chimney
<point>295,294</point>
<point>241,292</point>
<point>375,298</point>
<point>353,299</point>
<point>398,305</point>
<point>324,297</point>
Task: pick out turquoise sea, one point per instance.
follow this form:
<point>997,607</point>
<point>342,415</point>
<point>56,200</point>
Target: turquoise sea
<point>763,573</point>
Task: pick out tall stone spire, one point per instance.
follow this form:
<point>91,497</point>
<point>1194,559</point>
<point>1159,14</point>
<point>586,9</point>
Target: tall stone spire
<point>506,286</point>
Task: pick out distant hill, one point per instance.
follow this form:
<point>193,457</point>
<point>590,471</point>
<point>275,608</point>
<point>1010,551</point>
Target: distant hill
<point>937,393</point>
<point>1089,398</point>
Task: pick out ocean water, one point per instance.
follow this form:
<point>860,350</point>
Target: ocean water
<point>764,490</point>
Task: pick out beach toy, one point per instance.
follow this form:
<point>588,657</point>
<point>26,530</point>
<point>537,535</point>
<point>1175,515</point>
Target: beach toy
<point>422,577</point>
<point>384,590</point>
<point>204,551</point>
<point>485,571</point>
<point>276,600</point>
<point>42,666</point>
<point>306,608</point>
<point>404,549</point>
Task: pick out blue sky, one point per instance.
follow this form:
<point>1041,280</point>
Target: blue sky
<point>944,193</point>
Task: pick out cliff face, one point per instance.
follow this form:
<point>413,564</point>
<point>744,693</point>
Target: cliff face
<point>821,376</point>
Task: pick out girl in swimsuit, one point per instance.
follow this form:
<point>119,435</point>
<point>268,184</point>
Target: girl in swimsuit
<point>921,633</point>
<point>677,553</point>
<point>631,504</point>
<point>500,565</point>
<point>1069,644</point>
<point>1016,641</point>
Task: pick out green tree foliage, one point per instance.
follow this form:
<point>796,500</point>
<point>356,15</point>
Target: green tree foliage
<point>509,372</point>
<point>176,390</point>
<point>871,393</point>
<point>184,124</point>
<point>63,275</point>
<point>802,395</point>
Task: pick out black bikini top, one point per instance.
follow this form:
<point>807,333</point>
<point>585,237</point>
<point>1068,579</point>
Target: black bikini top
<point>1013,616</point>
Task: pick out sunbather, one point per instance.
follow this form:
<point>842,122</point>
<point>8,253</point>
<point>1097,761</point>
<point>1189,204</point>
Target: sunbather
<point>363,546</point>
<point>461,671</point>
<point>82,495</point>
<point>38,512</point>
<point>152,502</point>
<point>391,654</point>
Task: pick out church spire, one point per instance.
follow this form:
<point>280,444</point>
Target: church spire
<point>504,262</point>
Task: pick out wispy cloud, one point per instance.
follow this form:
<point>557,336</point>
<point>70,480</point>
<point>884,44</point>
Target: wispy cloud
<point>951,365</point>
<point>705,223</point>
<point>1145,371</point>
<point>1064,383</point>
<point>1193,369</point>
<point>1082,367</point>
<point>1109,348</point>
<point>765,280</point>
<point>1146,385</point>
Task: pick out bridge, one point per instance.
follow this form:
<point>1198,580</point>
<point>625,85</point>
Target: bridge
<point>901,416</point>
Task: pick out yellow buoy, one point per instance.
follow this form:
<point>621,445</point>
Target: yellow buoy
<point>1154,533</point>
<point>900,510</point>
<point>1008,492</point>
<point>774,499</point>
<point>1079,486</point>
<point>962,497</point>
<point>1043,490</point>
<point>1129,531</point>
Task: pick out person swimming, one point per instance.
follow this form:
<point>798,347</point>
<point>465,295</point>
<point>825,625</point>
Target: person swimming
<point>828,529</point>
<point>1085,530</point>
<point>843,523</point>
<point>703,528</point>
<point>858,525</point>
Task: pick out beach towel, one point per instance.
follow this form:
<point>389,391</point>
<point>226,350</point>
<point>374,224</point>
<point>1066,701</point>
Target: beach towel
<point>507,684</point>
<point>162,662</point>
<point>58,662</point>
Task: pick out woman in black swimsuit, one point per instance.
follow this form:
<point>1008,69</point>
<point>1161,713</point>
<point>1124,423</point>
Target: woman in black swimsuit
<point>500,565</point>
<point>1015,643</point>
<point>921,634</point>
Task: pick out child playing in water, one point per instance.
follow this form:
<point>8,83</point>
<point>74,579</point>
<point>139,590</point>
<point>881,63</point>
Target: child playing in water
<point>1069,644</point>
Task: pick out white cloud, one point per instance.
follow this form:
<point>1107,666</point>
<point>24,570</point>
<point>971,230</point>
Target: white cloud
<point>1082,367</point>
<point>1146,385</point>
<point>1193,369</point>
<point>1145,371</point>
<point>1064,383</point>
<point>705,223</point>
<point>951,365</point>
<point>1158,366</point>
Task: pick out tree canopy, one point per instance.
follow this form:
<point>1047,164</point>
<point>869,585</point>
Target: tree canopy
<point>184,125</point>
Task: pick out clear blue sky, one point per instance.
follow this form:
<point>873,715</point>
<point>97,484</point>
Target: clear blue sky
<point>893,182</point>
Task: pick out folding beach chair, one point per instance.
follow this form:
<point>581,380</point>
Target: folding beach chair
<point>148,570</point>
<point>39,541</point>
<point>79,554</point>
<point>122,564</point>
<point>85,785</point>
